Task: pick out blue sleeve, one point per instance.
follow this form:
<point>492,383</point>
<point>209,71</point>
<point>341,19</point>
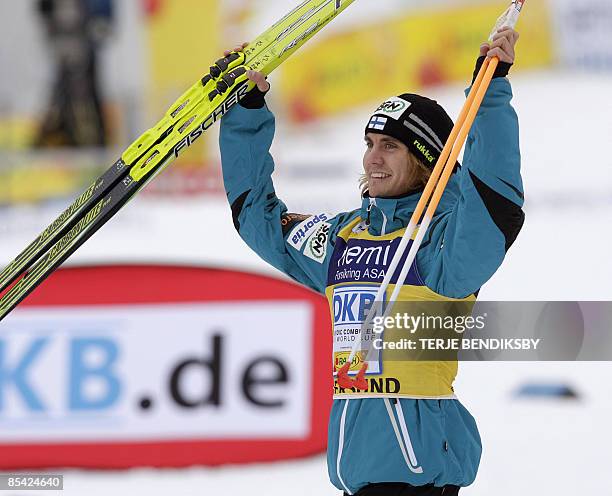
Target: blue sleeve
<point>469,242</point>
<point>298,245</point>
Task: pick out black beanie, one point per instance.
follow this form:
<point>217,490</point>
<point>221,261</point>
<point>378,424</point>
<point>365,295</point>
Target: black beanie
<point>418,122</point>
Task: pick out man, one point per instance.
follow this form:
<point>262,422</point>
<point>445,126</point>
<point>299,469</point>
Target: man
<point>407,434</point>
<point>76,29</point>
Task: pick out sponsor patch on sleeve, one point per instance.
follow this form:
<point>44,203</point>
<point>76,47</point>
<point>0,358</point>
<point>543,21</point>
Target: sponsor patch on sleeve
<point>305,229</point>
<point>289,220</point>
<point>316,244</point>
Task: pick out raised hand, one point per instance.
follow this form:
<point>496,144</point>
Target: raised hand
<point>502,46</point>
<point>257,77</point>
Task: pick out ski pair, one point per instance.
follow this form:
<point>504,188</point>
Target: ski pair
<point>430,199</point>
<point>186,120</point>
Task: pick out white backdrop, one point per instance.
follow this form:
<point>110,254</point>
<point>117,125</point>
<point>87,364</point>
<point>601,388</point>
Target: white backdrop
<point>531,447</point>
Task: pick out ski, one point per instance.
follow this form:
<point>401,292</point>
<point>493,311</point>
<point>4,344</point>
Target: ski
<point>187,119</point>
<point>150,138</point>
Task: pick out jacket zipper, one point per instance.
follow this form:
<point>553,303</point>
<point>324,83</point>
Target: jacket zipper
<point>384,224</point>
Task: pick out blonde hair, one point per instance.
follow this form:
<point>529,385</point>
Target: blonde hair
<point>418,179</point>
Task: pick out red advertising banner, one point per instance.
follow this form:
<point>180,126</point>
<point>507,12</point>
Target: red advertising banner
<point>164,366</point>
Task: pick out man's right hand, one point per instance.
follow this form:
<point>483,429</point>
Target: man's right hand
<point>257,77</point>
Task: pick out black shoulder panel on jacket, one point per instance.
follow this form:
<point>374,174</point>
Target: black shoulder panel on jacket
<point>507,215</point>
<point>237,208</point>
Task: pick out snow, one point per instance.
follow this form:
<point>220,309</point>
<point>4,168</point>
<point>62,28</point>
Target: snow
<point>530,447</point>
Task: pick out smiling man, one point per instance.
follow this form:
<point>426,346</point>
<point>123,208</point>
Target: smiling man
<point>404,139</point>
<point>390,168</point>
<point>407,434</point>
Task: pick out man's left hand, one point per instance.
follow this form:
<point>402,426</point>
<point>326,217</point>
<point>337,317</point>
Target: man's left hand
<point>502,46</point>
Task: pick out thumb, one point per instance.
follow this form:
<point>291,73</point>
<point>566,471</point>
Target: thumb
<point>484,49</point>
<point>259,79</point>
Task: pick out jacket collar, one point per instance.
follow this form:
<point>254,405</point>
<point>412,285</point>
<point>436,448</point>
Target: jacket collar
<point>386,215</point>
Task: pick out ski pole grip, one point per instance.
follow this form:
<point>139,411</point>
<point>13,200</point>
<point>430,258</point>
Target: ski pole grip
<point>508,18</point>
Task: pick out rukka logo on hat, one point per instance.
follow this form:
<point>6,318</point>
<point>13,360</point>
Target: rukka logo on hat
<point>394,108</point>
<point>425,151</point>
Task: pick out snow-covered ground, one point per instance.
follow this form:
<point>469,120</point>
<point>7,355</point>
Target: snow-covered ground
<point>530,447</point>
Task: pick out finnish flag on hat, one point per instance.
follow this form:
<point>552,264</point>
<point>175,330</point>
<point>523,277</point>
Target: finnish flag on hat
<point>377,122</point>
<point>418,122</point>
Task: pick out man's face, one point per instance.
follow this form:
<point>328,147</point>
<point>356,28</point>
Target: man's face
<point>387,166</point>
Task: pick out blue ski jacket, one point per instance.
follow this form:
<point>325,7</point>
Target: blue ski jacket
<point>423,435</point>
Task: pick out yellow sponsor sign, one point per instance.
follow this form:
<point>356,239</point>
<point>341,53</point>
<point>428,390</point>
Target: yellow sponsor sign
<point>44,178</point>
<point>183,42</point>
<point>17,132</point>
<point>424,48</point>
